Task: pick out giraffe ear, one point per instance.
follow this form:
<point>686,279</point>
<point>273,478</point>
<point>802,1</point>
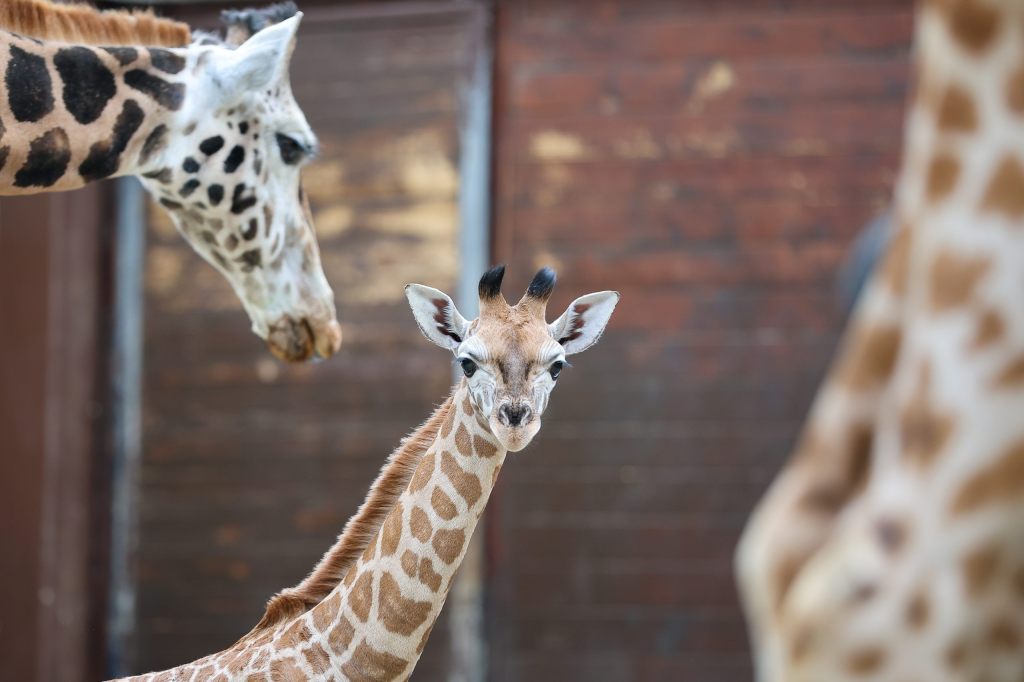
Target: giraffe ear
<point>436,314</point>
<point>582,324</point>
<point>256,64</point>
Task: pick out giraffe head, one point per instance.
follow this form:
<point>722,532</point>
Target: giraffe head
<point>227,167</point>
<point>510,355</point>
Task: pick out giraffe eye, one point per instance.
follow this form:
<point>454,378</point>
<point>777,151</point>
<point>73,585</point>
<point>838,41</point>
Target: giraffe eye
<point>291,150</point>
<point>556,368</point>
<point>468,367</point>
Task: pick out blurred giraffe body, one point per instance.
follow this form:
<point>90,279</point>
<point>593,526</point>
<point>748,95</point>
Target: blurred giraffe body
<point>890,546</point>
<point>366,610</point>
<point>213,133</point>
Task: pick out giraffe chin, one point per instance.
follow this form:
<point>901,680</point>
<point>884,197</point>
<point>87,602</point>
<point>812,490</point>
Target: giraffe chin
<point>299,340</point>
<point>515,438</point>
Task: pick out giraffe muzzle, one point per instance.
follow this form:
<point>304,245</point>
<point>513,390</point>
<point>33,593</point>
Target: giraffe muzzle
<point>300,340</point>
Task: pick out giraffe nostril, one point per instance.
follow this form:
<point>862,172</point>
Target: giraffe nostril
<point>515,415</point>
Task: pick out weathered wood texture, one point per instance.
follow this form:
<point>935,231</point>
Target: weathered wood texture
<point>710,160</point>
<point>53,484</point>
<point>250,468</point>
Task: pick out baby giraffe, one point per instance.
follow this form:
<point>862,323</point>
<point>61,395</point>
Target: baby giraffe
<point>366,610</point>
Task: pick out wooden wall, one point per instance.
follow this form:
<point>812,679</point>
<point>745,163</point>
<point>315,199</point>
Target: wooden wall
<point>710,160</point>
<point>250,468</point>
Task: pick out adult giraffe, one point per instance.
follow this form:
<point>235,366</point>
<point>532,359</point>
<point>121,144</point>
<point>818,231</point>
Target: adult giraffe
<point>213,133</point>
<point>890,546</point>
<point>366,610</point>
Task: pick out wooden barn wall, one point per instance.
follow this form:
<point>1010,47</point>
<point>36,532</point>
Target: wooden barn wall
<point>711,161</point>
<point>250,468</point>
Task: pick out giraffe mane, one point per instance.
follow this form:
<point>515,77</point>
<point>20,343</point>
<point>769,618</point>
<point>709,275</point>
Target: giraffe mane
<point>77,23</point>
<point>360,529</point>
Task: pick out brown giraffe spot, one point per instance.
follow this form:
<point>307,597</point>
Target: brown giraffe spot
<point>1018,581</point>
<point>467,405</point>
<point>428,576</point>
<point>239,662</point>
<point>255,677</point>
<point>991,328</point>
<point>1005,192</point>
<point>262,658</point>
<point>350,575</point>
<point>370,551</point>
<point>973,24</point>
<point>463,444</point>
<point>1015,91</point>
<point>800,642</point>
<point>943,172</point>
<point>956,654</point>
<point>1012,374</point>
<point>918,610</point>
<point>448,423</point>
<point>326,611</point>
<point>361,596</point>
<point>869,358</point>
<point>205,673</point>
<point>954,279</point>
<point>423,639</point>
<point>891,534</point>
<point>483,447</point>
<point>419,524</point>
<point>853,453</point>
<point>341,636</point>
<point>785,573</point>
<point>369,665</point>
<point>866,660</point>
<point>220,678</point>
<point>956,111</point>
<point>285,669</point>
<point>897,261</point>
<point>318,658</point>
<point>166,676</point>
<point>448,544</point>
<point>924,430</point>
<point>392,534</point>
<point>409,563</point>
<point>980,568</point>
<point>465,483</point>
<point>442,504</point>
<point>1002,635</point>
<point>296,634</point>
<point>423,473</point>
<point>399,614</point>
<point>1000,481</point>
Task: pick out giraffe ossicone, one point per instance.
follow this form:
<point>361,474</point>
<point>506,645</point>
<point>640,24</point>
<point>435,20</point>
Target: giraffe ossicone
<point>366,610</point>
<point>214,134</point>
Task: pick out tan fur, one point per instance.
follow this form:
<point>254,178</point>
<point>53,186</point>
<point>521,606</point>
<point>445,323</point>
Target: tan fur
<point>362,528</point>
<point>78,23</point>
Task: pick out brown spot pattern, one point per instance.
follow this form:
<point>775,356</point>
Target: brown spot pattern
<point>1015,91</point>
<point>1002,635</point>
<point>467,405</point>
<point>442,504</point>
<point>980,567</point>
<point>869,359</point>
<point>392,534</point>
<point>865,661</point>
<point>296,634</point>
<point>943,172</point>
<point>285,669</point>
<point>973,24</point>
<point>465,483</point>
<point>448,544</point>
<point>369,665</point>
<point>326,611</point>
<point>991,328</point>
<point>463,445</point>
<point>918,610</point>
<point>399,614</point>
<point>483,447</point>
<point>897,261</point>
<point>428,576</point>
<point>448,423</point>
<point>1012,374</point>
<point>954,279</point>
<point>923,429</point>
<point>419,524</point>
<point>318,658</point>
<point>1005,192</point>
<point>360,598</point>
<point>341,636</point>
<point>423,473</point>
<point>956,111</point>
<point>956,654</point>
<point>409,563</point>
<point>999,481</point>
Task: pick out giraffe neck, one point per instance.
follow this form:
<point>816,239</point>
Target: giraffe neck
<point>375,623</point>
<point>73,114</point>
